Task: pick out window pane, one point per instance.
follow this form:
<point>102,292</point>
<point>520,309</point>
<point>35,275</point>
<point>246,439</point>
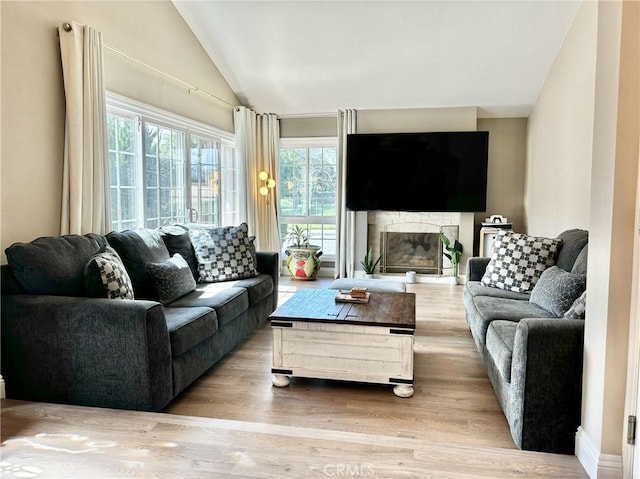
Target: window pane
<point>293,181</point>
<point>205,179</point>
<point>166,188</point>
<point>122,151</point>
<point>127,169</point>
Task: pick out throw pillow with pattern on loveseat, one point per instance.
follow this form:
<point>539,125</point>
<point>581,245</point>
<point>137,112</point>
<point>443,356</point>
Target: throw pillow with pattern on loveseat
<point>525,309</point>
<point>130,319</point>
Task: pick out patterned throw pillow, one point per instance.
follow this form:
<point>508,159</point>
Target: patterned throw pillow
<point>578,308</point>
<point>518,260</point>
<point>171,279</point>
<point>223,253</point>
<point>557,289</point>
<point>115,279</point>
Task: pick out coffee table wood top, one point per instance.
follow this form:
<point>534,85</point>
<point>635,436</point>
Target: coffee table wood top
<point>383,309</point>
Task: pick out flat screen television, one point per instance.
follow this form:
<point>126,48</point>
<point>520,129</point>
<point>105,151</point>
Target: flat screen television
<point>437,172</point>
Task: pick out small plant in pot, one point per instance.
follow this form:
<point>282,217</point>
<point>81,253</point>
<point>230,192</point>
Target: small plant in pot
<point>369,264</point>
<point>453,252</point>
<point>303,259</point>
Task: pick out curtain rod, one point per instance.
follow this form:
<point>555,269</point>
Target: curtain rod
<point>68,27</point>
<point>189,86</point>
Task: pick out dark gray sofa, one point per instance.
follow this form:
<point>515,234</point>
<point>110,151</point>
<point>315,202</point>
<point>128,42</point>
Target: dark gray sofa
<point>533,357</point>
<point>60,345</point>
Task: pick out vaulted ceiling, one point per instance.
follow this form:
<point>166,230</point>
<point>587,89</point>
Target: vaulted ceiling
<point>309,57</point>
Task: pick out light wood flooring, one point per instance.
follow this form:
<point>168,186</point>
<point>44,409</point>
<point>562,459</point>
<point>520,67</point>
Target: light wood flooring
<point>233,423</point>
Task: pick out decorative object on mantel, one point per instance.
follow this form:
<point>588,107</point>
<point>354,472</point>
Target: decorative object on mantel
<point>454,253</point>
<point>369,264</point>
<point>303,259</point>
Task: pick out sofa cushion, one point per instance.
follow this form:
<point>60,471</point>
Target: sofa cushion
<point>476,288</point>
<point>578,308</point>
<point>176,239</point>
<point>518,260</point>
<point>573,241</point>
<point>557,289</point>
<point>171,279</point>
<point>482,310</point>
<point>188,327</point>
<point>53,266</point>
<point>229,302</point>
<point>137,248</point>
<point>224,253</point>
<point>106,276</point>
<point>258,287</point>
<point>500,339</point>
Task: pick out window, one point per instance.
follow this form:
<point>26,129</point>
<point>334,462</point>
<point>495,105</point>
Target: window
<point>165,169</point>
<point>308,179</point>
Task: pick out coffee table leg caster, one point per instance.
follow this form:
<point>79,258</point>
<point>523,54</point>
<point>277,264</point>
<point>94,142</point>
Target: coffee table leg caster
<point>403,390</point>
<point>280,380</point>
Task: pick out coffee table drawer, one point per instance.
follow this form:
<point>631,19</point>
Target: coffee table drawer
<point>346,352</point>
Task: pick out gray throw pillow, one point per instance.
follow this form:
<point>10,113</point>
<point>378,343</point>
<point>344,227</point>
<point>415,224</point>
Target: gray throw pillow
<point>556,290</point>
<point>176,239</point>
<point>518,260</point>
<point>224,253</point>
<point>578,308</point>
<point>171,279</point>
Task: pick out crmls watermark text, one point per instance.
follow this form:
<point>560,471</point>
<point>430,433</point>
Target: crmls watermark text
<point>349,470</point>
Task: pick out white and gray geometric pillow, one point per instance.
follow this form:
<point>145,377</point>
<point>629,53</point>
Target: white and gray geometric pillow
<point>518,260</point>
<point>223,253</point>
<point>578,308</point>
<point>557,289</point>
<point>171,279</point>
<point>114,276</point>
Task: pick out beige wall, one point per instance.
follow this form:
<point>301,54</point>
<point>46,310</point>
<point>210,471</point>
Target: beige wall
<point>33,96</point>
<point>309,127</point>
<point>613,197</point>
<point>507,168</point>
<point>560,138</point>
<point>582,172</point>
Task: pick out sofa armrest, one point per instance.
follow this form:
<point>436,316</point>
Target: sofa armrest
<point>86,351</point>
<point>476,267</point>
<point>269,263</point>
<point>546,384</point>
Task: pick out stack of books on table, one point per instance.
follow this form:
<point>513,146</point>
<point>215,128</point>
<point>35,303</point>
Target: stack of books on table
<point>355,295</point>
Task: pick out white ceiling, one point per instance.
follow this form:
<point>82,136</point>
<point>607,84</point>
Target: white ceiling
<point>309,57</point>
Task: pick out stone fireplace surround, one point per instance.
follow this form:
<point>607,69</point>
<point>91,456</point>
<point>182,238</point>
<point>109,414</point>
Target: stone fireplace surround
<point>454,225</point>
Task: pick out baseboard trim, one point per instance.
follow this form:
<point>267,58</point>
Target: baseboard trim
<point>597,465</point>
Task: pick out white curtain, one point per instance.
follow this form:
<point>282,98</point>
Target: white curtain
<point>258,147</point>
<point>85,190</point>
<point>345,250</point>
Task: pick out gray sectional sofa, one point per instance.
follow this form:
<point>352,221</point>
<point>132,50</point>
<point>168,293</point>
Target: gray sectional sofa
<point>65,341</point>
<point>533,356</point>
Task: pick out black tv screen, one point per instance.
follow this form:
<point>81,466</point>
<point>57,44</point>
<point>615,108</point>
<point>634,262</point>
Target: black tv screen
<point>437,172</point>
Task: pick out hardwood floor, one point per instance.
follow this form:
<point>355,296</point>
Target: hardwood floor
<point>233,423</point>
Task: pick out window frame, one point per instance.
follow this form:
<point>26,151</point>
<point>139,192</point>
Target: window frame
<point>146,114</point>
<point>308,143</point>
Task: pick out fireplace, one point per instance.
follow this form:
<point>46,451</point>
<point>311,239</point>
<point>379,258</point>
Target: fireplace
<point>419,252</point>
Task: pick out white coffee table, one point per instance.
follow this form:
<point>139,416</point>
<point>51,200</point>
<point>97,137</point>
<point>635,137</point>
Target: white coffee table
<point>316,337</point>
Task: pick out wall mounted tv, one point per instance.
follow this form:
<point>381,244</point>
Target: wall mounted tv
<point>437,172</point>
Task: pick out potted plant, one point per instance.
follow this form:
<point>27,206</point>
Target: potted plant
<point>369,264</point>
<point>303,259</point>
<point>453,253</point>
